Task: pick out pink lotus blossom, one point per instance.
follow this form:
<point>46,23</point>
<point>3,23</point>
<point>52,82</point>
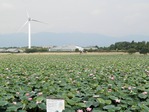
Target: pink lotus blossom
<point>30,99</point>
<point>89,109</point>
<point>14,103</point>
<point>145,93</point>
<point>79,110</point>
<point>40,93</point>
<point>27,94</point>
<point>112,77</point>
<point>129,88</point>
<point>117,100</point>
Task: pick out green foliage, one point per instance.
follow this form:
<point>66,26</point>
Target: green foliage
<point>114,83</point>
<point>32,50</point>
<point>131,47</point>
<point>132,51</point>
<point>144,50</point>
<point>77,50</point>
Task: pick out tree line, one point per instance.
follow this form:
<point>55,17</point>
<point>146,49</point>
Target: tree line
<point>130,47</point>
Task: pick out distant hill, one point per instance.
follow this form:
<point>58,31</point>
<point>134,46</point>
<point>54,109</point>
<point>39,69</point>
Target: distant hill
<point>81,39</point>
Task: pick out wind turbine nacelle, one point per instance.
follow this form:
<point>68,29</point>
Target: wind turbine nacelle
<point>29,19</point>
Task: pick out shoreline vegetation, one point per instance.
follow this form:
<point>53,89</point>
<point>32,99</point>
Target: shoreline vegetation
<point>72,53</point>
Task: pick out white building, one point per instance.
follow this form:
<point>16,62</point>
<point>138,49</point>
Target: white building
<point>2,50</point>
<point>66,48</point>
<point>12,50</point>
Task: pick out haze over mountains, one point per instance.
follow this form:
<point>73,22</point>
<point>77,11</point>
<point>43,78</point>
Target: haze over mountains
<point>79,22</point>
<point>76,38</point>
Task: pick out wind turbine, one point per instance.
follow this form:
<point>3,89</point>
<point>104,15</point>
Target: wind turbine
<point>29,20</point>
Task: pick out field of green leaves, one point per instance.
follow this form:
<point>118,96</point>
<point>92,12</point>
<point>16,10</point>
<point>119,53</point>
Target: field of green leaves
<point>88,83</point>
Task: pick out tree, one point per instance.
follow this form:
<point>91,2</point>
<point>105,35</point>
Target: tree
<point>77,50</point>
<point>144,50</point>
<point>122,45</point>
<point>132,51</point>
<point>140,45</point>
<point>32,50</point>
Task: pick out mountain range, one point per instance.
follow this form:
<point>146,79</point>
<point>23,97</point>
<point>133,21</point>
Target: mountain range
<point>57,39</point>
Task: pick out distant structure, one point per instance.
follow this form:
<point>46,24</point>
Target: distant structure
<point>10,50</point>
<point>91,48</point>
<point>29,28</point>
<point>13,50</point>
<point>2,50</point>
<point>66,48</point>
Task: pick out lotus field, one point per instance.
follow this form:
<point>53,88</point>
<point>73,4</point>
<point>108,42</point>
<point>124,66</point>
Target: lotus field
<point>87,83</point>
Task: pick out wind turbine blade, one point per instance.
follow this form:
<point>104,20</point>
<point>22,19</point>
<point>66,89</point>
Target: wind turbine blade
<point>27,13</point>
<point>38,21</point>
<point>22,25</point>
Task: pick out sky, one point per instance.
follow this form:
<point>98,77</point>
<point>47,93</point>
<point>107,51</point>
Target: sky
<point>115,18</point>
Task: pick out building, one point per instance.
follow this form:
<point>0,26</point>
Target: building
<point>2,50</point>
<point>66,48</point>
<point>12,50</point>
<point>91,48</point>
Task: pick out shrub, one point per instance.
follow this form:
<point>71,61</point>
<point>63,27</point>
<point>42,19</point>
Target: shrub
<point>144,51</point>
<point>36,50</point>
<point>132,51</point>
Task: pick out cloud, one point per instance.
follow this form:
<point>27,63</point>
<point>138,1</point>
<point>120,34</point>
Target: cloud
<point>110,17</point>
<point>6,6</point>
<point>96,12</point>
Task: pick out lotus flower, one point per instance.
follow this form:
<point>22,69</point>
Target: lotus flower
<point>129,88</point>
<point>91,74</point>
<point>145,93</point>
<point>89,109</point>
<point>117,100</point>
<point>14,103</point>
<point>30,99</point>
<point>79,110</point>
<point>27,94</point>
<point>40,93</point>
<point>112,77</point>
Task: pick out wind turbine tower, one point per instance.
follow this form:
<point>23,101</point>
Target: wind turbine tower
<point>29,28</point>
